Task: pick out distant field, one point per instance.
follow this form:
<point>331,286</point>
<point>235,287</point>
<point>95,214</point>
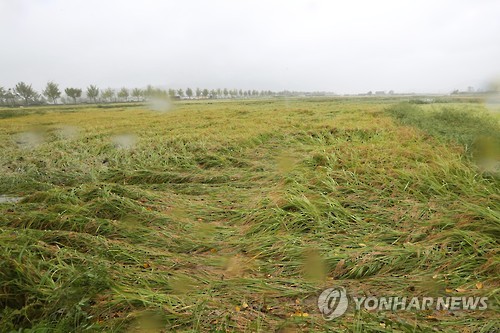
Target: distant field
<point>235,215</point>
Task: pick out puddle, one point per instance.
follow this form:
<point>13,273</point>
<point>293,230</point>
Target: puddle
<point>9,199</point>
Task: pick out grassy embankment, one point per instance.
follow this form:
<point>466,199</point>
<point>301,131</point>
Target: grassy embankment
<point>233,216</point>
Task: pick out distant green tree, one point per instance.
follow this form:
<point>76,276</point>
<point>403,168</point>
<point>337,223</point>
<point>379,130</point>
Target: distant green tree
<point>108,94</point>
<point>149,91</point>
<point>137,94</point>
<point>92,93</point>
<point>219,92</point>
<point>3,95</point>
<point>123,94</point>
<point>213,93</point>
<point>26,92</point>
<point>161,93</point>
<point>189,92</point>
<point>10,96</point>
<point>73,93</point>
<point>171,93</point>
<point>52,91</point>
<point>205,92</point>
<point>180,92</point>
<point>226,92</point>
<point>198,92</point>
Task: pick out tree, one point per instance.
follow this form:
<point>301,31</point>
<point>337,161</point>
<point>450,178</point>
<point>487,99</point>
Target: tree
<point>152,92</point>
<point>149,91</point>
<point>26,92</point>
<point>3,95</point>
<point>213,93</point>
<point>198,92</point>
<point>171,93</point>
<point>52,91</point>
<point>180,92</point>
<point>10,96</point>
<point>205,93</point>
<point>92,93</point>
<point>123,93</point>
<point>108,94</point>
<point>189,92</point>
<point>226,92</point>
<point>74,93</point>
<point>137,94</point>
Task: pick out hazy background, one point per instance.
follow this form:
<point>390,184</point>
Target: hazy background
<point>339,46</point>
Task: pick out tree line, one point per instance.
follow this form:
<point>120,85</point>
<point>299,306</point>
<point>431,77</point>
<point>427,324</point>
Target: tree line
<point>25,94</point>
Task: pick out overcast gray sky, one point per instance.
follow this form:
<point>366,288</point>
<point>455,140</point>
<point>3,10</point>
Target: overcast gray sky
<point>340,46</point>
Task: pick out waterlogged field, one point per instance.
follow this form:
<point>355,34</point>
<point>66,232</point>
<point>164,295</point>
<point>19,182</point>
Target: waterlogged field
<point>235,215</point>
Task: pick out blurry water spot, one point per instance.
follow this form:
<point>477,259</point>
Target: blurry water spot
<point>489,165</point>
<point>487,154</point>
<point>160,104</point>
<point>178,213</point>
<point>182,284</point>
<point>204,230</point>
<point>29,140</point>
<point>124,141</point>
<point>67,132</point>
<point>9,199</point>
<point>493,102</point>
<point>314,266</point>
<point>148,321</point>
<point>129,223</point>
<point>285,163</point>
<point>238,266</point>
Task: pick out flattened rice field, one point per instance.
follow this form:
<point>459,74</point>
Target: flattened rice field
<point>233,216</point>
